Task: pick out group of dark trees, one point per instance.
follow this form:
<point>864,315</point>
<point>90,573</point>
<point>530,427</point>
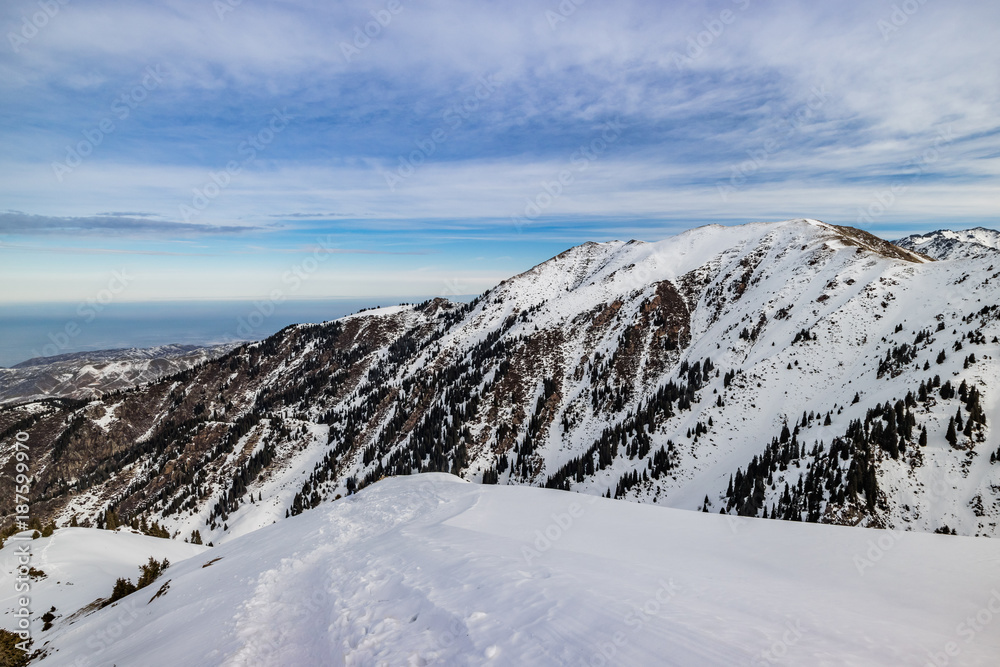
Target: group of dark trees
<point>632,435</point>
<point>148,573</point>
<point>845,474</point>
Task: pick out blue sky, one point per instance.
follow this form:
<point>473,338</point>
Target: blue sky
<point>235,149</point>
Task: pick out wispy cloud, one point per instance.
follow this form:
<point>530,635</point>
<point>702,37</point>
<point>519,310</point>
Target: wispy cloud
<point>14,222</point>
<point>126,214</point>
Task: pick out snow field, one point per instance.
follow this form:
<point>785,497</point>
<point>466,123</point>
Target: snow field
<point>432,570</point>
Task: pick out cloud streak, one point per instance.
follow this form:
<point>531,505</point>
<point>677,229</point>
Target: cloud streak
<point>24,224</point>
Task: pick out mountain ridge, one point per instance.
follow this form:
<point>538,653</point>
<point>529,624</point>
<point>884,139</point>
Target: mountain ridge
<point>665,372</point>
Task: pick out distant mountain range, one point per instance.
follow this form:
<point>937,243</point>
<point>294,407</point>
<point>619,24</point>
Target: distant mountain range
<point>944,244</point>
<point>85,375</point>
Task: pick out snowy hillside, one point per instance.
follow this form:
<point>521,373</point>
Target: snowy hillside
<point>76,567</point>
<point>431,570</point>
<point>793,370</point>
<point>945,244</point>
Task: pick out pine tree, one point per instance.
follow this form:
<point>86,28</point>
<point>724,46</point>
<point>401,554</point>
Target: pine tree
<point>121,588</point>
<point>950,436</point>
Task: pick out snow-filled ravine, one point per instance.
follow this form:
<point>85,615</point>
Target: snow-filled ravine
<point>429,569</point>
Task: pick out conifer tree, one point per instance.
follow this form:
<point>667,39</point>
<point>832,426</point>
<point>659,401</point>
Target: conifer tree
<point>950,436</point>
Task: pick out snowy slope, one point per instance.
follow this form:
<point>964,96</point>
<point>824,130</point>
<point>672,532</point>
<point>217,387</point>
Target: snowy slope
<point>80,566</point>
<point>431,570</point>
<point>945,244</point>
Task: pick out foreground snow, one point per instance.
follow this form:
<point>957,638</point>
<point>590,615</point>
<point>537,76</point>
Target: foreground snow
<point>432,570</point>
<point>80,566</point>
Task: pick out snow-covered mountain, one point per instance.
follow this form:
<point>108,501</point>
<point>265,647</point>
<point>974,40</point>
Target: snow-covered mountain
<point>86,375</point>
<point>792,370</point>
<point>945,244</point>
<point>428,570</point>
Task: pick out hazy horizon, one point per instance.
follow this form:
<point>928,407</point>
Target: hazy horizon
<point>51,329</point>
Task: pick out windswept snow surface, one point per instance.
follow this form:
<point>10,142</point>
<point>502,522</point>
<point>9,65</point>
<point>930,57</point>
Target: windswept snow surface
<point>429,569</point>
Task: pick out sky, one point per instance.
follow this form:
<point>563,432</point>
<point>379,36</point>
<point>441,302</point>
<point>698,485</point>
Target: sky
<point>242,149</point>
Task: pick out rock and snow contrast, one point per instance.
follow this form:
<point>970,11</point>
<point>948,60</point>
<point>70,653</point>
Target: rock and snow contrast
<point>946,244</point>
<point>797,370</point>
<point>87,375</point>
<point>431,570</point>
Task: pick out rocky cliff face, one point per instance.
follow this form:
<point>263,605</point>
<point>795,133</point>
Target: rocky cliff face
<point>792,370</point>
